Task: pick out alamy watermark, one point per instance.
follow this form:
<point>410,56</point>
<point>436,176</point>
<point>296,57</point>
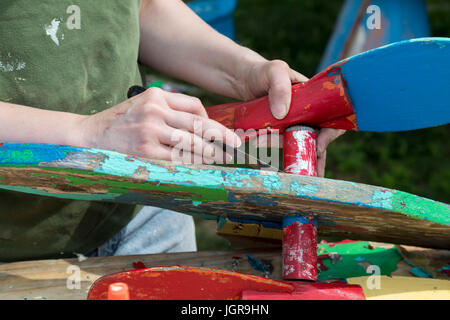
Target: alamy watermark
<point>374,19</point>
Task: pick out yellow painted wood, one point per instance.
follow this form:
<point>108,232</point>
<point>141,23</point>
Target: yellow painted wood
<point>403,288</point>
<point>252,230</point>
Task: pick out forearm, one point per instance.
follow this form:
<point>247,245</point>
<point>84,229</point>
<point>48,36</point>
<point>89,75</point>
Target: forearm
<point>31,125</point>
<point>175,41</point>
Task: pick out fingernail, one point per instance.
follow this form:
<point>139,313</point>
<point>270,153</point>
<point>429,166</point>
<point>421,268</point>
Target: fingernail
<point>280,111</point>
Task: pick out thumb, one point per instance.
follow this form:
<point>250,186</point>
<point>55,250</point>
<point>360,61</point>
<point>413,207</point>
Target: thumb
<point>280,95</point>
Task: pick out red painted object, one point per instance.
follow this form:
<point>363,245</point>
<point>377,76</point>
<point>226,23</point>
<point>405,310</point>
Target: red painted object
<point>299,151</point>
<point>311,291</point>
<point>195,283</point>
<point>320,102</point>
<point>185,283</point>
<point>299,248</point>
<point>299,232</point>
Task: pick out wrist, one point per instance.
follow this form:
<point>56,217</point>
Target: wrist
<point>245,63</point>
<point>79,133</point>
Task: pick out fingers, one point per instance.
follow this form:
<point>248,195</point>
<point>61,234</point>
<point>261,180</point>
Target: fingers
<point>297,76</point>
<point>182,102</point>
<point>175,101</point>
<point>270,140</point>
<point>279,88</point>
<point>326,136</point>
<point>203,127</point>
<point>321,163</point>
<point>180,156</point>
<point>187,142</point>
<point>185,128</point>
<point>281,77</point>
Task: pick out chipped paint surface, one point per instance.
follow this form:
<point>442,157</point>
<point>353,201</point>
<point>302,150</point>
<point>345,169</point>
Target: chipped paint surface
<point>299,248</point>
<point>182,283</point>
<point>351,254</point>
<point>92,174</point>
<point>299,151</point>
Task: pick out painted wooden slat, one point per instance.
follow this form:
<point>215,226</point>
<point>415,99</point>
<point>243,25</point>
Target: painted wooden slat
<point>344,209</point>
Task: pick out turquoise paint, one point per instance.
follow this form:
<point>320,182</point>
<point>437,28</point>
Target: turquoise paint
<point>271,182</point>
<point>117,164</point>
<point>221,221</point>
<point>382,199</point>
<point>216,178</point>
<point>301,189</point>
<point>421,273</point>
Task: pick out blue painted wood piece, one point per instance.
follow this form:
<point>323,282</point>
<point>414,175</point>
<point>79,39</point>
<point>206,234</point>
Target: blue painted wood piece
<point>401,86</point>
<point>400,20</point>
<point>343,209</point>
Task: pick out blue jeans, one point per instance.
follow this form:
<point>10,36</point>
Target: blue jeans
<point>152,230</point>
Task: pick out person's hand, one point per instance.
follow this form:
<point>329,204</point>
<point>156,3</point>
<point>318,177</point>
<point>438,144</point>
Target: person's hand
<point>275,78</point>
<point>326,135</point>
<point>160,125</point>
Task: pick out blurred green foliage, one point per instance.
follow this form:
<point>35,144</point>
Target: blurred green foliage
<point>297,31</point>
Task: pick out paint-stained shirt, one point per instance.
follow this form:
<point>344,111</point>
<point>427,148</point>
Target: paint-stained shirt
<point>77,56</point>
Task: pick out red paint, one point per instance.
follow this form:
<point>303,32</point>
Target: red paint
<point>194,283</point>
<point>300,238</point>
<point>300,251</point>
<point>320,263</point>
<point>185,283</point>
<point>320,102</point>
<point>299,151</point>
<point>311,291</point>
<point>445,270</point>
<point>138,265</point>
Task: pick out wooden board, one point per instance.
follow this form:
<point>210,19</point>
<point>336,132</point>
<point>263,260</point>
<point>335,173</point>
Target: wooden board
<point>344,209</point>
<point>48,279</point>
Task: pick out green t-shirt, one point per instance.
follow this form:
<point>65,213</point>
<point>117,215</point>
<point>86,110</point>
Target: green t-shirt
<point>77,56</point>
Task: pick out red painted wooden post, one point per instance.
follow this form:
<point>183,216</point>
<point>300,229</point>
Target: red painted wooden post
<point>300,232</point>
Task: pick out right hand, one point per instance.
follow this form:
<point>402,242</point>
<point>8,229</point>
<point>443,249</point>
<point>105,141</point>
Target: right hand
<point>157,124</point>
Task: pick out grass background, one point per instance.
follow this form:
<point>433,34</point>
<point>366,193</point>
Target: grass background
<point>297,31</point>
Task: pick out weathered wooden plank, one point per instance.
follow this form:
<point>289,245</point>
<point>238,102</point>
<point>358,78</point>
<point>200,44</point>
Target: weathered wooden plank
<point>48,279</point>
<point>344,209</point>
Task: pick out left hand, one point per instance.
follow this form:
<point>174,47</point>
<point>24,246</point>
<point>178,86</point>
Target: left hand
<point>275,78</point>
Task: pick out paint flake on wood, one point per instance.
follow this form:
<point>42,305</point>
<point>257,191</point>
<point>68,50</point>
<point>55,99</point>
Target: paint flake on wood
<point>343,209</point>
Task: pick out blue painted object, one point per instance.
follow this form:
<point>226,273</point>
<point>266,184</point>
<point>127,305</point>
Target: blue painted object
<point>400,20</point>
<point>217,13</point>
<point>401,86</point>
